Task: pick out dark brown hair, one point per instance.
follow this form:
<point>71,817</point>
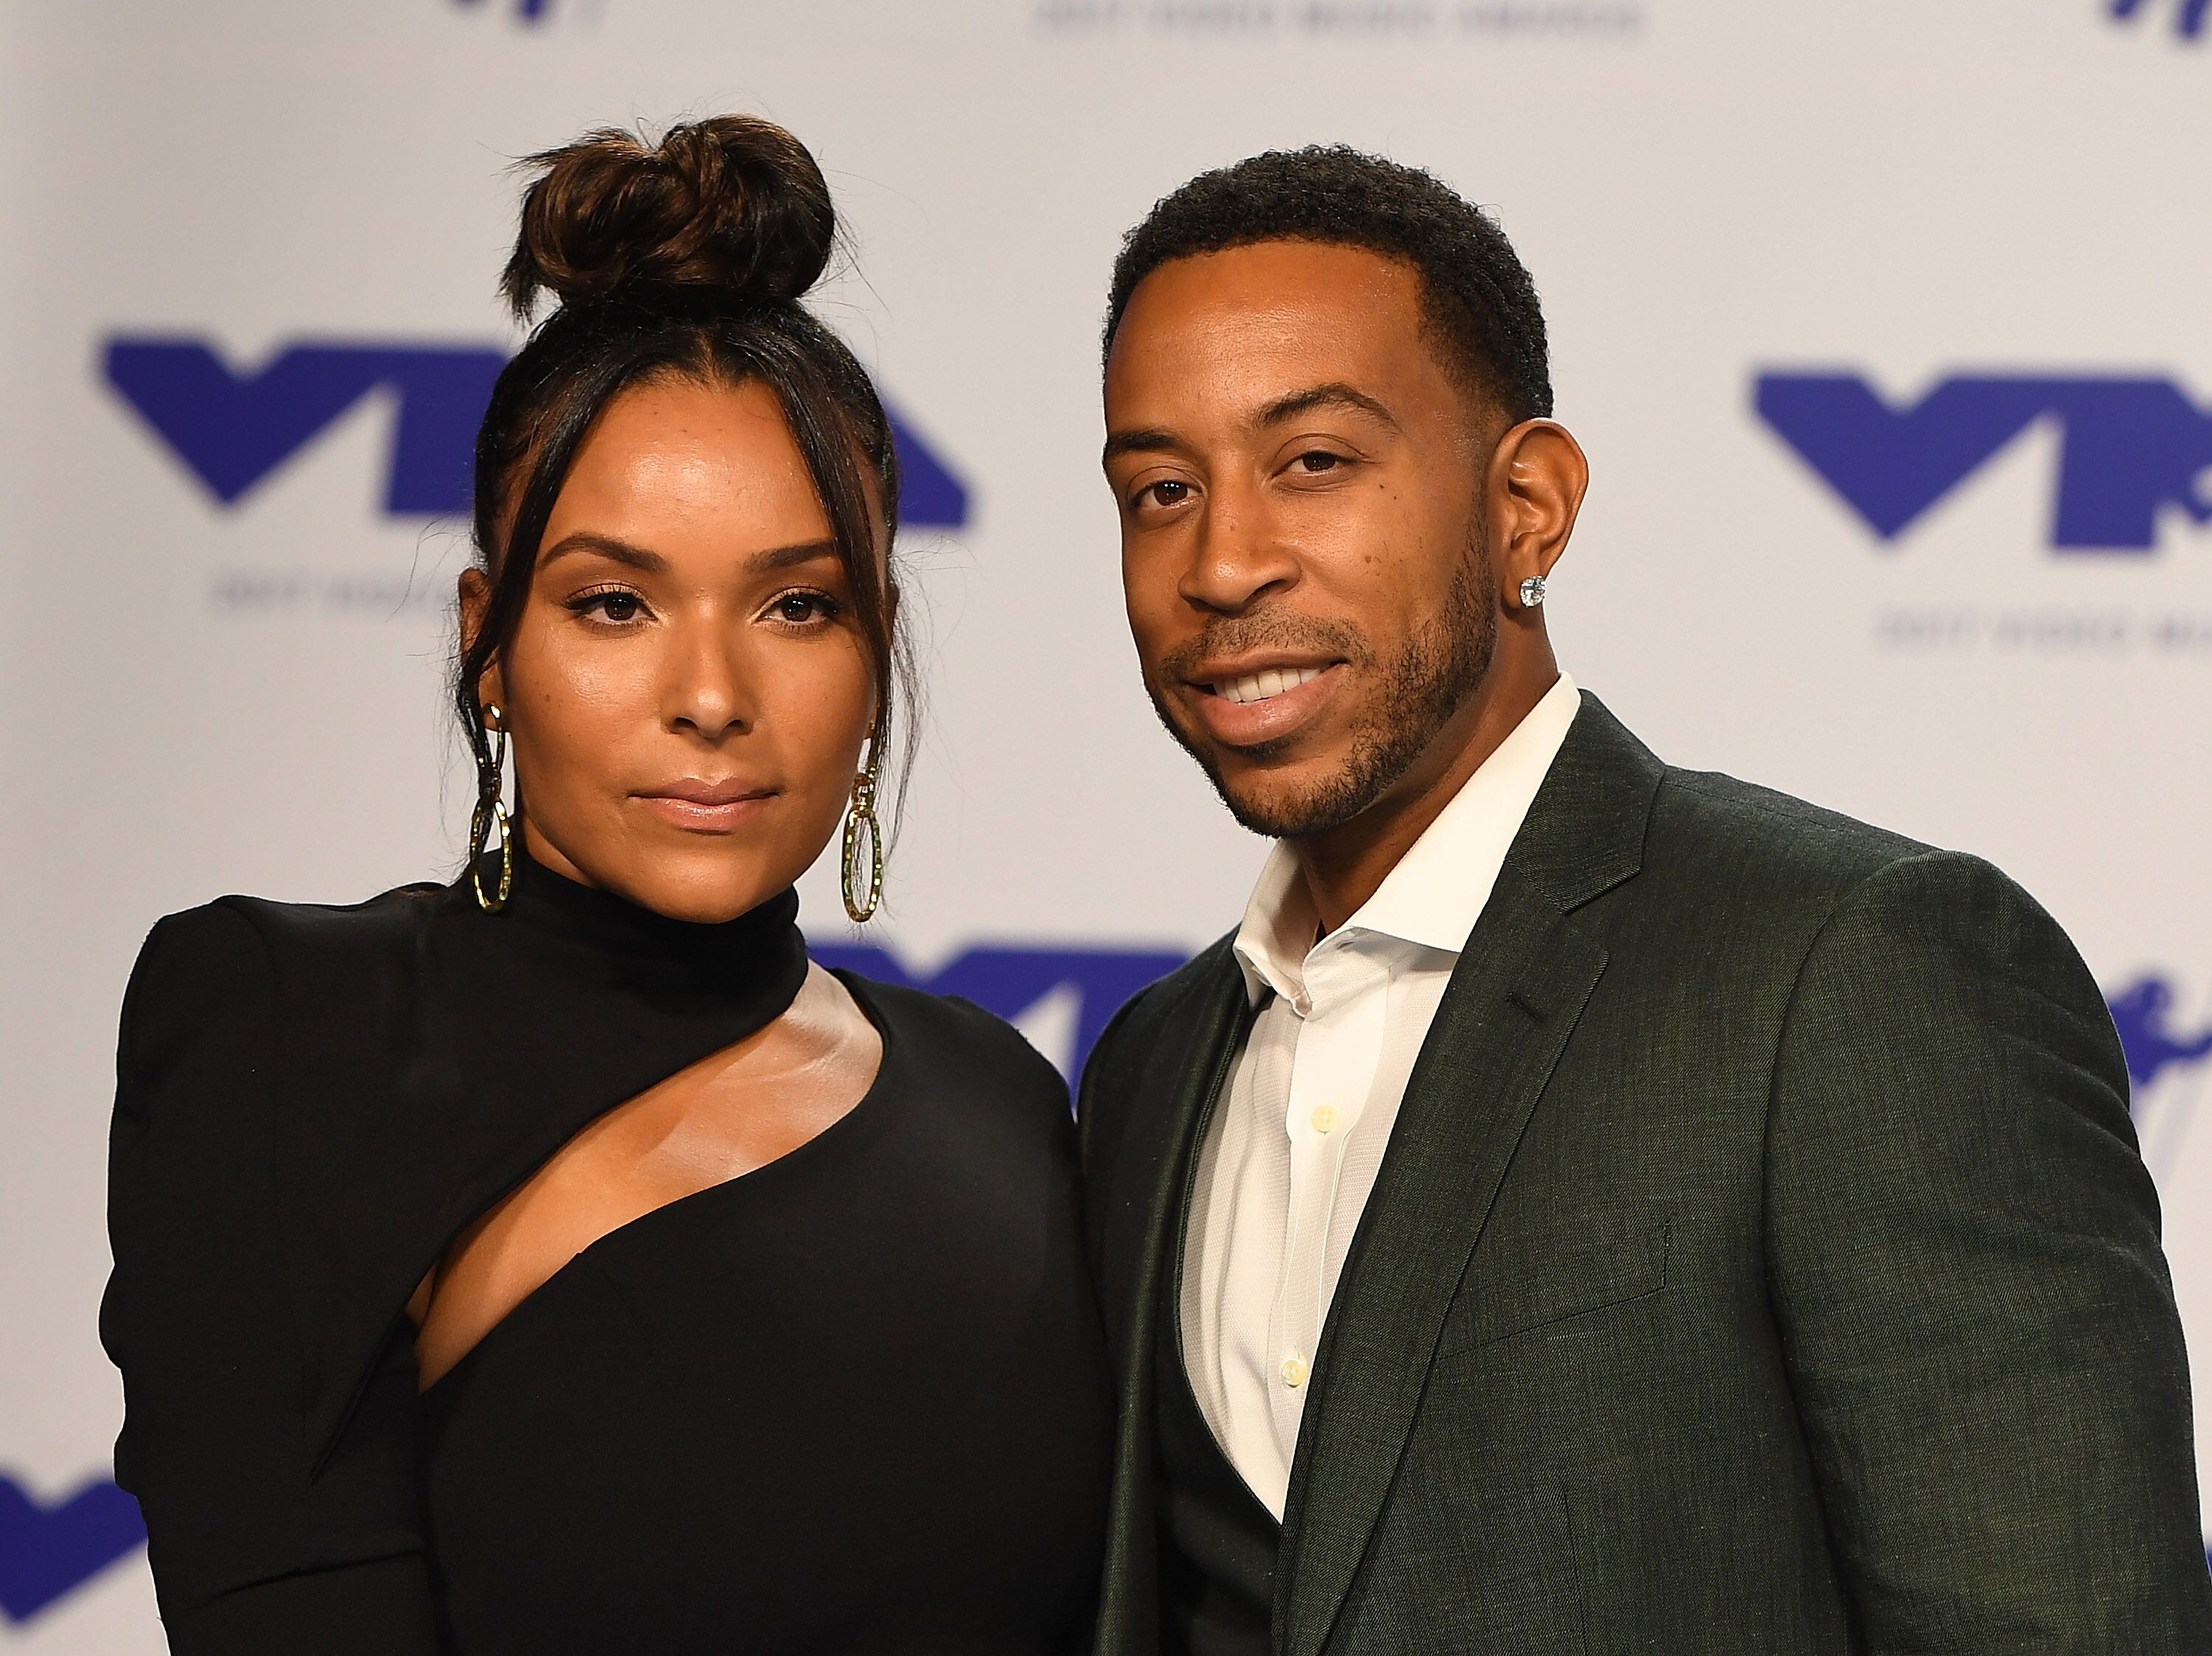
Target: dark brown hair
<point>1481,305</point>
<point>686,259</point>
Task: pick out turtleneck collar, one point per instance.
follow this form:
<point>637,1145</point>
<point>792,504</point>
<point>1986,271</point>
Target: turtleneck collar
<point>759,957</point>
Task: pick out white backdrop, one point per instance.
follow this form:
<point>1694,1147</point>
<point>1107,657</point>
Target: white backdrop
<point>1884,325</point>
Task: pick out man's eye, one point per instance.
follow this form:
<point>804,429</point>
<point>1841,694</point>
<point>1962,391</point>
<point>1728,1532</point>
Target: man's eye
<point>1318,459</point>
<point>1168,491</point>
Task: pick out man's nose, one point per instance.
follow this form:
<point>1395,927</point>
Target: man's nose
<point>1238,556</point>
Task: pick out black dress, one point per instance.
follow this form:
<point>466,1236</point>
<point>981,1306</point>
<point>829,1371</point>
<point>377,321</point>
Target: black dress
<point>854,1401</point>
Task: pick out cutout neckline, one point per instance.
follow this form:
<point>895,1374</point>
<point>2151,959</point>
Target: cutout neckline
<point>867,1105</point>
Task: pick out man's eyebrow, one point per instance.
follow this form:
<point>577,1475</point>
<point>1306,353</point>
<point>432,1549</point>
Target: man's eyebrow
<point>1137,442</point>
<point>647,561</point>
<point>1336,394</point>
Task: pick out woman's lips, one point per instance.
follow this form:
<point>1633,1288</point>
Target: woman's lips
<point>1271,709</point>
<point>704,807</point>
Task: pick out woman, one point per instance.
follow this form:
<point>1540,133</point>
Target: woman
<point>556,1260</point>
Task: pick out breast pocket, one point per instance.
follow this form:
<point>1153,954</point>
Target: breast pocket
<point>1606,1258</point>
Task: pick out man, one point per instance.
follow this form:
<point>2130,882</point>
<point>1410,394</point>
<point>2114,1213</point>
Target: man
<point>1587,1206</point>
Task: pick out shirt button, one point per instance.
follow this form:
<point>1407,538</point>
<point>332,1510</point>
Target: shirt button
<point>1294,1371</point>
<point>1324,1118</point>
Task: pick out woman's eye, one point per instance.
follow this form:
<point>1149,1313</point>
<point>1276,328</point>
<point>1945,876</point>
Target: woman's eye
<point>614,605</point>
<point>798,609</point>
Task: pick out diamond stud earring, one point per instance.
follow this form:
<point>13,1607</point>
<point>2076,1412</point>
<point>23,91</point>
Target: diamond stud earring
<point>1532,592</point>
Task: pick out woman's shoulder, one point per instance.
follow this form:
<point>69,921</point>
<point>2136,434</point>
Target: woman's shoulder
<point>239,954</point>
<point>949,1037</point>
<point>235,935</point>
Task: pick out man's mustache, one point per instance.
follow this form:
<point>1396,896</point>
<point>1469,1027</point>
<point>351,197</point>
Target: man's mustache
<point>1237,635</point>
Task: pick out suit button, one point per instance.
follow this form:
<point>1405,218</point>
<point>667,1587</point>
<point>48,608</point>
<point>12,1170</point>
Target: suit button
<point>1294,1371</point>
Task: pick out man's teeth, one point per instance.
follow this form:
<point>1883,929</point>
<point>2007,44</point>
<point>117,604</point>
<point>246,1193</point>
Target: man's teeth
<point>1258,687</point>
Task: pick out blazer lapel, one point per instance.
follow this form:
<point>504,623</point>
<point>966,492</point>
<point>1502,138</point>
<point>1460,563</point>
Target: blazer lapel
<point>1180,1086</point>
<point>1520,984</point>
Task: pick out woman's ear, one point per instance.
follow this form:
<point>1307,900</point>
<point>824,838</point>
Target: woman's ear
<point>890,628</point>
<point>474,596</point>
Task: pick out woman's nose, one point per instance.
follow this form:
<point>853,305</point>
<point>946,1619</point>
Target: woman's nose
<point>706,684</point>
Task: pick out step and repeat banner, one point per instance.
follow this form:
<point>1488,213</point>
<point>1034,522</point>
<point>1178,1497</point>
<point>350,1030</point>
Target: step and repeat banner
<point>1885,325</point>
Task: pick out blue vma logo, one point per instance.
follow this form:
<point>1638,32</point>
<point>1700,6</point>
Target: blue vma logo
<point>1012,981</point>
<point>2189,19</point>
<point>232,427</point>
<point>48,1548</point>
<point>2143,1012</point>
<point>2131,449</point>
<point>528,11</point>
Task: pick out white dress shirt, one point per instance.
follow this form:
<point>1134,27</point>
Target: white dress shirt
<point>1294,1149</point>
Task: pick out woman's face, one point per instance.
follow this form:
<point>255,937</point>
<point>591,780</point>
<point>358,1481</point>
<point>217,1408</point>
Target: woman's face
<point>688,691</point>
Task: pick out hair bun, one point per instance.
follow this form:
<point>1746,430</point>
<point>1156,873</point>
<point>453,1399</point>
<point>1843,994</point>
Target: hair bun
<point>734,204</point>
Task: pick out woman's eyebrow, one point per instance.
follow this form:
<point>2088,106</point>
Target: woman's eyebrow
<point>607,546</point>
<point>647,561</point>
<point>782,557</point>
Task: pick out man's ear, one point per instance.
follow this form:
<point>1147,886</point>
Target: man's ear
<point>475,598</point>
<point>1535,482</point>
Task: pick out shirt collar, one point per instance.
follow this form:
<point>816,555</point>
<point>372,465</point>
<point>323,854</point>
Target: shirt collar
<point>1437,892</point>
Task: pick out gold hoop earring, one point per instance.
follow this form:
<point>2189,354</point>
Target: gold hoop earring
<point>491,814</point>
<point>860,821</point>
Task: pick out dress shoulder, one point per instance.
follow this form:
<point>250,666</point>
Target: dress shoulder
<point>217,940</point>
<point>192,967</point>
<point>296,934</point>
<point>953,1039</point>
<point>199,961</point>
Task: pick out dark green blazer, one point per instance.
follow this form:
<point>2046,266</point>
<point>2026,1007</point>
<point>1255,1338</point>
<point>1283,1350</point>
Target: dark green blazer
<point>1762,1263</point>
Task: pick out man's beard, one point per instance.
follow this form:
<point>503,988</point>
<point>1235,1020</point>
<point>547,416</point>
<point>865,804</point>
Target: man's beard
<point>1416,694</point>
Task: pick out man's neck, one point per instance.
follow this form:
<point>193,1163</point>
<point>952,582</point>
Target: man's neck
<point>1345,866</point>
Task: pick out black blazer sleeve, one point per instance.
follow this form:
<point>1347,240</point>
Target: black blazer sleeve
<point>254,1547</point>
<point>1963,1249</point>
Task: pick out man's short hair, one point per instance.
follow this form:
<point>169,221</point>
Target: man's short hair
<point>1477,296</point>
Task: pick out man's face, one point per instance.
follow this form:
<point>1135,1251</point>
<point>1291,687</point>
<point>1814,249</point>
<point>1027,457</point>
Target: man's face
<point>1299,483</point>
